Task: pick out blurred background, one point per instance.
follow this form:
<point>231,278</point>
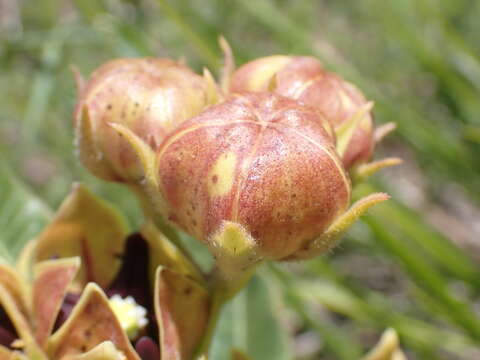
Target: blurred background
<point>411,264</point>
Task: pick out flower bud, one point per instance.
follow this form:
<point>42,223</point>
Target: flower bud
<point>149,96</point>
<point>255,177</point>
<point>304,79</point>
<point>259,160</point>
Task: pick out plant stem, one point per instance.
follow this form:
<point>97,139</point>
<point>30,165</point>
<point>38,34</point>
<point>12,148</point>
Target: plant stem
<point>222,289</point>
<point>218,301</point>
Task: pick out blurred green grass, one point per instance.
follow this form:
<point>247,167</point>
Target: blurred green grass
<point>411,264</point>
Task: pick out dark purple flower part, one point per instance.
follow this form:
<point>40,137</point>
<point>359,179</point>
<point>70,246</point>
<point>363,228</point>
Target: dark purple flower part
<point>7,331</point>
<point>132,280</point>
<point>68,303</point>
<point>133,277</point>
<point>147,349</point>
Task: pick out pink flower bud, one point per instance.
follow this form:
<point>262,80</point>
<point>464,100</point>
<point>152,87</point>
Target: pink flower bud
<point>259,160</point>
<point>304,79</point>
<point>149,96</point>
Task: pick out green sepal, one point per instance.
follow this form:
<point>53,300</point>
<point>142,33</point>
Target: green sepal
<point>364,171</point>
<point>330,237</point>
<point>383,130</point>
<point>235,250</point>
<point>228,65</point>
<point>145,154</point>
<point>346,131</point>
<point>148,163</point>
<point>88,150</point>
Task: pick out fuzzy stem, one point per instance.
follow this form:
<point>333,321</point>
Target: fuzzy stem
<point>222,290</point>
<point>218,301</point>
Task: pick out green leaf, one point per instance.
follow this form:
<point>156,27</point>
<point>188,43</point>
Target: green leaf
<point>373,308</point>
<point>426,278</point>
<point>338,342</point>
<point>22,214</point>
<point>249,323</point>
<point>419,236</point>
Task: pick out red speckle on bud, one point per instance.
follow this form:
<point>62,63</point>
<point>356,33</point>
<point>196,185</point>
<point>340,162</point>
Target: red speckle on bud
<point>148,96</point>
<point>304,79</point>
<point>260,160</point>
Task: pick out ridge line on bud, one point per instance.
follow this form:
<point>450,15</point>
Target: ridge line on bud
<point>305,79</point>
<point>260,160</point>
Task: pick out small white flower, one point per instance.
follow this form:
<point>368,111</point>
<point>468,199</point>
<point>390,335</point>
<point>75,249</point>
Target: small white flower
<point>132,317</point>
